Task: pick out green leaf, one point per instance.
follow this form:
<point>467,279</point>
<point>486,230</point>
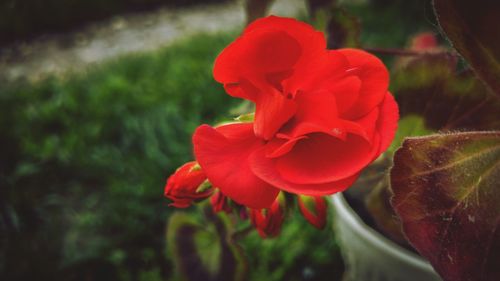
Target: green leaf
<point>410,125</point>
<point>249,117</point>
<point>446,193</point>
<point>472,28</point>
<point>204,251</point>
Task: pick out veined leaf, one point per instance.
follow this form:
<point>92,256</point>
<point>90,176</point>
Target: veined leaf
<point>447,194</point>
<point>429,87</point>
<point>204,251</point>
<point>472,28</point>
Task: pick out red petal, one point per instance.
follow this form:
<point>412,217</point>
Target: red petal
<point>387,122</point>
<point>374,81</point>
<point>223,155</point>
<point>317,107</point>
<point>265,169</point>
<point>321,68</point>
<point>304,33</point>
<point>243,89</point>
<point>346,92</point>
<point>322,158</point>
<point>272,110</point>
<point>253,55</point>
<point>365,126</point>
<point>280,146</point>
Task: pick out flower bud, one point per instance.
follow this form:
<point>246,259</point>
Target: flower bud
<point>186,185</point>
<point>313,208</point>
<point>220,203</point>
<point>268,221</point>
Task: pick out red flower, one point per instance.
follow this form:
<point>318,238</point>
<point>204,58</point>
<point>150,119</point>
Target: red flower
<point>268,221</point>
<point>183,187</point>
<point>313,208</point>
<point>321,115</point>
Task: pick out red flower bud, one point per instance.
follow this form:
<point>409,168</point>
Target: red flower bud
<point>313,208</point>
<point>268,221</point>
<point>220,203</point>
<point>424,41</point>
<point>187,185</point>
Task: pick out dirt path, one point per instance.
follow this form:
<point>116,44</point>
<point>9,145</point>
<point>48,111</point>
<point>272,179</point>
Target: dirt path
<point>122,35</point>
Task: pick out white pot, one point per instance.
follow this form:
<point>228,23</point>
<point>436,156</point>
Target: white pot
<point>370,256</point>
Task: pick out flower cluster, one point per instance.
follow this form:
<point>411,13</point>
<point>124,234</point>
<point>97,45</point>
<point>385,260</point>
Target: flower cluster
<point>321,116</point>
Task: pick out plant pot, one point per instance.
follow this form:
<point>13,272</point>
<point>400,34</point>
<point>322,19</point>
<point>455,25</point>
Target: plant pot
<point>369,255</point>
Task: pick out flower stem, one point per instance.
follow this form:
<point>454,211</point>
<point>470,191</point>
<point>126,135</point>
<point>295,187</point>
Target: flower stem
<point>406,53</point>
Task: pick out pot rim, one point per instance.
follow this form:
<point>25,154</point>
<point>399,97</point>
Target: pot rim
<point>377,239</point>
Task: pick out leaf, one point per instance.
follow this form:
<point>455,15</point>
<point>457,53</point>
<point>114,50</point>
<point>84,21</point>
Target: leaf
<point>204,251</point>
<point>382,212</point>
<point>472,28</point>
<point>447,195</point>
<point>409,125</point>
<point>249,117</point>
<point>429,87</point>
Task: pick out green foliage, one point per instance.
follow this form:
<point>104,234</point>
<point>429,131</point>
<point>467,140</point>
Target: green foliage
<point>20,19</point>
<point>83,161</point>
<point>410,125</point>
<point>389,24</point>
<point>300,252</point>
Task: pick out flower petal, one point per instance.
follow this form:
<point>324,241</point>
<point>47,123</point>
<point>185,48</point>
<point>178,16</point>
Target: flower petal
<point>272,110</point>
<point>346,91</point>
<point>316,107</point>
<point>255,54</point>
<point>264,167</point>
<point>223,155</point>
<point>304,33</point>
<point>322,158</point>
<point>374,81</point>
<point>321,67</point>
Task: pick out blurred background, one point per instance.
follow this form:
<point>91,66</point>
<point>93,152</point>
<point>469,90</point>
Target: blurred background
<point>98,100</point>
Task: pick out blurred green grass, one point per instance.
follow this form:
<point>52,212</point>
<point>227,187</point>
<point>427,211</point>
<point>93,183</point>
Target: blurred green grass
<point>83,161</point>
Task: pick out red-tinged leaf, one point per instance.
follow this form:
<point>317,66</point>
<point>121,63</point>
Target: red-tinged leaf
<point>472,28</point>
<point>205,250</point>
<point>447,195</point>
<point>378,205</point>
<point>430,87</point>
